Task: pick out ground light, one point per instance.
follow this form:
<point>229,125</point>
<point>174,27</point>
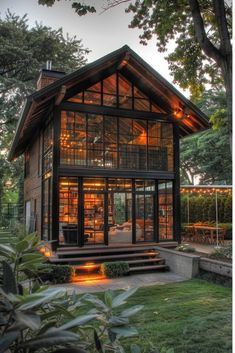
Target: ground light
<point>87,273</point>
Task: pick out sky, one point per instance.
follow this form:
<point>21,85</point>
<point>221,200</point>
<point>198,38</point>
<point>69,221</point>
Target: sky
<point>100,32</point>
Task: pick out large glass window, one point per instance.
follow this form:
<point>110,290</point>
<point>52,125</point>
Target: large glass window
<point>99,141</point>
<point>47,149</point>
<point>118,92</point>
<point>46,209</point>
<point>116,210</point>
<point>165,208</point>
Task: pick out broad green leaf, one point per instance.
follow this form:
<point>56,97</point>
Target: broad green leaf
<point>29,257</point>
<point>120,299</point>
<point>108,298</point>
<point>22,245</point>
<point>51,338</point>
<point>97,302</point>
<point>42,298</point>
<point>124,331</point>
<point>80,320</point>
<point>30,320</point>
<point>6,250</point>
<point>118,321</point>
<point>47,326</point>
<point>131,311</point>
<point>7,340</point>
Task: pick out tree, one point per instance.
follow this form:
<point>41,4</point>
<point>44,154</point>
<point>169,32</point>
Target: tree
<point>201,31</point>
<point>206,155</point>
<point>23,52</point>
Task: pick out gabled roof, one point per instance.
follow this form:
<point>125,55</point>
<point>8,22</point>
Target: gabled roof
<point>190,118</point>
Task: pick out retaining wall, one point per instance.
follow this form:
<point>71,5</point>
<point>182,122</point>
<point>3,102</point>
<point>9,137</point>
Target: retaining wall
<point>186,265</point>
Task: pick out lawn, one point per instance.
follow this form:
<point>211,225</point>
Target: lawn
<point>191,317</point>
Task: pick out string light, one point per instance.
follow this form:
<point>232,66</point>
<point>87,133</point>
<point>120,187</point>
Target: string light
<point>207,190</point>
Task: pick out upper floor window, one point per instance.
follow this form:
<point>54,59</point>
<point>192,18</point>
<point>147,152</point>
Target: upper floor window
<point>117,92</point>
<point>100,141</point>
<point>47,149</point>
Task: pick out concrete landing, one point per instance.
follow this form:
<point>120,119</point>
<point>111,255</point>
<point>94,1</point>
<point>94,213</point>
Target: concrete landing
<point>139,280</point>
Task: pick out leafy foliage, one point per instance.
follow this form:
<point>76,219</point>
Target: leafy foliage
<point>35,318</point>
<point>114,269</point>
<point>202,208</point>
<point>207,155</point>
<point>22,257</point>
<point>24,51</point>
<point>56,274</point>
<point>223,252</point>
<point>185,248</point>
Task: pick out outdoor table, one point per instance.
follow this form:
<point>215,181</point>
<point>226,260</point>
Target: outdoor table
<point>206,233</point>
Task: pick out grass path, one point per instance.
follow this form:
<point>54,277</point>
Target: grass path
<point>191,317</point>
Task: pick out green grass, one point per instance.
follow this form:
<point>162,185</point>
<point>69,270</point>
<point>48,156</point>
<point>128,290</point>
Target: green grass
<point>191,317</point>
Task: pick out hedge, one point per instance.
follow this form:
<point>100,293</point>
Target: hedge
<point>56,274</point>
<point>202,208</point>
<point>114,269</point>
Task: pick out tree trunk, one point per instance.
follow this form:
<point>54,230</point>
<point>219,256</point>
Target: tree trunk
<point>226,68</point>
<point>223,55</point>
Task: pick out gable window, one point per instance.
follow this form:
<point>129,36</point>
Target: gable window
<point>118,92</point>
<point>101,141</point>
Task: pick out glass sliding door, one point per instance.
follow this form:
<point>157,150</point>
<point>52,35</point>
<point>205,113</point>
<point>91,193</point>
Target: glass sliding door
<point>165,210</point>
<point>120,217</point>
<point>144,210</point>
<point>68,211</point>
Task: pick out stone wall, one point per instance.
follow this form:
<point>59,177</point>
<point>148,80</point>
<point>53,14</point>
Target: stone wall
<point>181,263</point>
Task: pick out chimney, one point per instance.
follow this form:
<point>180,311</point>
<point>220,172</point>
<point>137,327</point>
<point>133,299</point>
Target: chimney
<point>48,76</point>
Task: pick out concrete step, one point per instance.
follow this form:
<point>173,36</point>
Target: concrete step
<point>149,268</point>
<point>102,258</point>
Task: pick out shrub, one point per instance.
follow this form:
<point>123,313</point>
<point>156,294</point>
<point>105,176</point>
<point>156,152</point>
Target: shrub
<point>229,230</point>
<point>114,269</point>
<point>56,274</point>
<point>223,252</point>
<point>185,248</point>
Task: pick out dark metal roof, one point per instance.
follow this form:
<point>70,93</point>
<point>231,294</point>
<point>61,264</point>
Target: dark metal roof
<point>38,103</point>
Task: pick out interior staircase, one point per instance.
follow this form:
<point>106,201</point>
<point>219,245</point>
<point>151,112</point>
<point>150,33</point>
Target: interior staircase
<point>88,260</point>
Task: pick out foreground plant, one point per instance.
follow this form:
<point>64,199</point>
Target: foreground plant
<point>23,257</point>
<point>113,324</point>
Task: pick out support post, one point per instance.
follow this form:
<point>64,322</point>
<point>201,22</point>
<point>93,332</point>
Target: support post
<point>176,186</point>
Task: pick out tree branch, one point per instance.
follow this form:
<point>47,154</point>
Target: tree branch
<point>222,24</point>
<point>204,42</point>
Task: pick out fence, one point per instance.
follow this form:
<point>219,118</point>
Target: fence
<point>11,213</point>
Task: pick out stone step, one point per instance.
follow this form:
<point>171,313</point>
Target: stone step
<point>149,268</point>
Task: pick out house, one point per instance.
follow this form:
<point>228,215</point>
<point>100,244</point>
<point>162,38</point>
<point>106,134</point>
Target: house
<point>101,150</point>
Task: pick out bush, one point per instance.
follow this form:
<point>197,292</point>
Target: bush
<point>56,274</point>
<point>229,230</point>
<point>185,248</point>
<point>221,253</point>
<point>114,269</point>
